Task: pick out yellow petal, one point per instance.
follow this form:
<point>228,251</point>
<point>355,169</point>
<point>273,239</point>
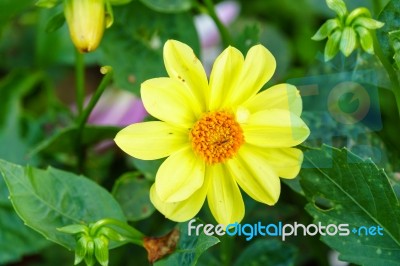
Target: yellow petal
<point>183,210</point>
<point>275,128</point>
<point>254,175</point>
<point>224,198</point>
<point>258,68</point>
<point>224,76</point>
<point>285,161</point>
<point>179,176</point>
<point>151,140</point>
<point>281,96</point>
<point>168,100</point>
<point>182,64</point>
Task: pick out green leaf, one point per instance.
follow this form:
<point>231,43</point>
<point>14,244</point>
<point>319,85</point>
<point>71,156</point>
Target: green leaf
<point>338,6</point>
<point>389,16</point>
<point>325,30</point>
<point>366,40</point>
<point>357,193</point>
<point>16,239</point>
<point>189,248</point>
<point>49,199</point>
<point>132,193</point>
<point>332,45</point>
<point>55,22</point>
<point>267,252</point>
<point>169,6</point>
<point>348,41</point>
<point>139,34</point>
<point>65,140</point>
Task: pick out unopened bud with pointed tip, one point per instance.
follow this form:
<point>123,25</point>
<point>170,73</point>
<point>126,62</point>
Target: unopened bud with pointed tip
<point>86,23</point>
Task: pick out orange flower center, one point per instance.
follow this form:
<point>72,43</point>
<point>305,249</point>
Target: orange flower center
<point>216,137</point>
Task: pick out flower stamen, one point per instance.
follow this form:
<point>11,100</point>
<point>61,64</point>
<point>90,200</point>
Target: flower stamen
<point>216,137</point>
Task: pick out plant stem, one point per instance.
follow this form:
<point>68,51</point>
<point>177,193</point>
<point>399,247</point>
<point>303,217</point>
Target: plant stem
<point>80,80</point>
<point>226,37</point>
<point>82,119</point>
<point>95,98</point>
<point>133,235</point>
<point>394,80</point>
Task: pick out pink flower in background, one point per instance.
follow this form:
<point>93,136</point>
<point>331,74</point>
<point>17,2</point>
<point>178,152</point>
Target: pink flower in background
<point>117,108</point>
<point>210,39</point>
<point>227,12</point>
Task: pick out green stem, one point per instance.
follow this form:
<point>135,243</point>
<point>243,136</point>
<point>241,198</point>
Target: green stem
<point>226,37</point>
<point>394,80</point>
<point>85,115</point>
<point>80,80</point>
<point>93,101</point>
<point>133,235</point>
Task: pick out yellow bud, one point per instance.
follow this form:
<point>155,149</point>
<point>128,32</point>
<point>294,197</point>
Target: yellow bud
<point>86,23</point>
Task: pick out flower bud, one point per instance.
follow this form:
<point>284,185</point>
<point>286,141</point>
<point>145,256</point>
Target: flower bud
<point>86,22</point>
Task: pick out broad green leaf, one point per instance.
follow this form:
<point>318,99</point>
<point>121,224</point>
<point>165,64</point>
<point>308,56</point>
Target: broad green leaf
<point>389,16</point>
<point>65,140</point>
<point>133,45</point>
<point>169,6</point>
<point>49,199</point>
<point>132,193</point>
<point>265,252</point>
<point>189,248</point>
<point>354,192</point>
<point>16,239</point>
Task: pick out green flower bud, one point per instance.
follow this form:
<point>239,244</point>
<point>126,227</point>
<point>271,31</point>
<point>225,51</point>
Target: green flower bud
<point>332,45</point>
<point>89,258</point>
<point>368,23</point>
<point>354,29</point>
<point>326,29</point>
<point>81,249</point>
<point>366,41</point>
<point>86,22</point>
<point>101,250</point>
<point>74,229</point>
<point>358,12</point>
<point>338,6</point>
<point>348,41</point>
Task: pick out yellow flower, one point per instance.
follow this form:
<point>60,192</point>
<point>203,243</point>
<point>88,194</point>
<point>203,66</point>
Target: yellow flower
<point>219,135</point>
<point>86,23</point>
